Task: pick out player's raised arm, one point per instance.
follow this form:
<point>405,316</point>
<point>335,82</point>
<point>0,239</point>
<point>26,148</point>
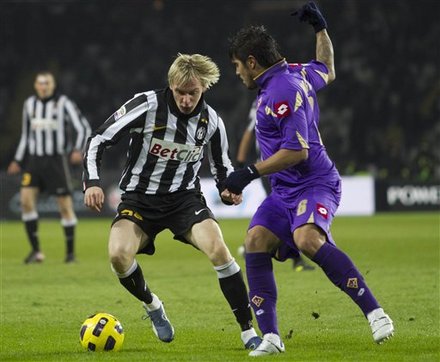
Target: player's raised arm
<point>324,48</point>
<point>325,53</point>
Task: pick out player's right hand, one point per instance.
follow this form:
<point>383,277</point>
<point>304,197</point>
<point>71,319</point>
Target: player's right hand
<point>94,198</point>
<point>230,198</point>
<point>13,168</point>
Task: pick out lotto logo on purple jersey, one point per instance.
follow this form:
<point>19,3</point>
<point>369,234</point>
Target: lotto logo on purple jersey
<point>282,109</point>
<point>322,210</point>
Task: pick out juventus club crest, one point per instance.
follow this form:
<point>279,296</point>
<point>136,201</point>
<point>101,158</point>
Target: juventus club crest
<point>200,134</point>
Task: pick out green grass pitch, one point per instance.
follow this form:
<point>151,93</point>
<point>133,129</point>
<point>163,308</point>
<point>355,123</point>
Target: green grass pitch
<point>43,306</point>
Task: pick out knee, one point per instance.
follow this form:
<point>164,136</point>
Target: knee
<point>218,253</point>
<point>308,241</point>
<point>302,242</point>
<point>66,210</point>
<point>256,243</point>
<point>121,259</point>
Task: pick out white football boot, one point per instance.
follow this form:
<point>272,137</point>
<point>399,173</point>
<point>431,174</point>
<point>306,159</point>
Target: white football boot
<point>381,325</point>
<point>271,344</point>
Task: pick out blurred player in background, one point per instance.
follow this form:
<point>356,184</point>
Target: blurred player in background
<point>306,184</point>
<point>170,130</point>
<point>45,144</point>
<point>248,138</point>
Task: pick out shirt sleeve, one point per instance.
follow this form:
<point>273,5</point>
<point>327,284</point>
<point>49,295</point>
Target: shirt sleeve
<point>290,116</point>
<point>130,115</point>
<point>218,154</point>
<point>79,123</point>
<point>24,139</point>
<point>315,72</point>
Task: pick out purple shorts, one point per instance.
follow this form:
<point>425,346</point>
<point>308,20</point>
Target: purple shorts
<point>313,206</point>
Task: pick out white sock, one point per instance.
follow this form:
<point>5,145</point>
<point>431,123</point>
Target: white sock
<point>248,334</point>
<point>228,269</point>
<point>154,305</point>
<point>375,314</point>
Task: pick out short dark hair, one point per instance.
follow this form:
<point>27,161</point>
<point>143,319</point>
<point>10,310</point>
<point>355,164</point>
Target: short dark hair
<point>255,41</point>
<point>44,73</point>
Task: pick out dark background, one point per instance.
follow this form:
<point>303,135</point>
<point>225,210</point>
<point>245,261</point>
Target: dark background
<point>380,116</point>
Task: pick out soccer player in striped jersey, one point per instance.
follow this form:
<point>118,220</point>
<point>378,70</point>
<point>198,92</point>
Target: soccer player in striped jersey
<point>170,131</point>
<point>306,184</point>
<point>45,144</point>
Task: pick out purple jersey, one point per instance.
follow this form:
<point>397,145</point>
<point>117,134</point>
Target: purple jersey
<point>288,118</point>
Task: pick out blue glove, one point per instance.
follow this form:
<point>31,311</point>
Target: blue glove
<point>239,179</point>
<point>311,14</point>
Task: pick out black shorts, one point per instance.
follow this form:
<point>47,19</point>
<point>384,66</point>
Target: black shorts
<point>49,173</point>
<point>177,211</point>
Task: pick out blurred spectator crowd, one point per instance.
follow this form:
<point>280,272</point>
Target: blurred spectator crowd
<point>381,115</point>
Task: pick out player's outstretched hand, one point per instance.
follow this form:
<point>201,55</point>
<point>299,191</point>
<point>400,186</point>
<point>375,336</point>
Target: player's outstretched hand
<point>13,168</point>
<point>94,198</point>
<point>310,13</point>
<point>238,180</point>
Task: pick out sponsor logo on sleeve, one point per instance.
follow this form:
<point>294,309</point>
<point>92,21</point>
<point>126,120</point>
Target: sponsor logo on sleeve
<point>282,109</point>
<point>120,112</point>
<point>322,210</point>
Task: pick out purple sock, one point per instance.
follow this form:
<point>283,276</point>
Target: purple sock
<point>341,271</point>
<point>262,291</point>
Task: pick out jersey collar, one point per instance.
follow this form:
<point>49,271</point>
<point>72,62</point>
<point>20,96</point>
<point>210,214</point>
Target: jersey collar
<point>45,100</point>
<point>262,78</point>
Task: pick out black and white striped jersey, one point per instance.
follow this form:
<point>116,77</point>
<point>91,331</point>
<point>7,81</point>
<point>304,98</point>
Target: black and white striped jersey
<point>166,148</point>
<point>47,127</point>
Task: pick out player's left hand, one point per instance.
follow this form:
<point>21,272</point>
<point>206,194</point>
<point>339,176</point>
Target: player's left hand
<point>310,13</point>
<point>238,180</point>
<point>76,157</point>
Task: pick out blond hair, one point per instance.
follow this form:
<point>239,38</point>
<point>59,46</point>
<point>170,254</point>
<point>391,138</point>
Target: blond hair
<point>193,66</point>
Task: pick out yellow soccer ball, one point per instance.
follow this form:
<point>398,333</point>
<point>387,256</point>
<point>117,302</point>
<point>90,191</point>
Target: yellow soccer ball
<point>101,332</point>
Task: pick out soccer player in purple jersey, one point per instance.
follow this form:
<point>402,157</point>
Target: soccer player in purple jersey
<point>305,182</point>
